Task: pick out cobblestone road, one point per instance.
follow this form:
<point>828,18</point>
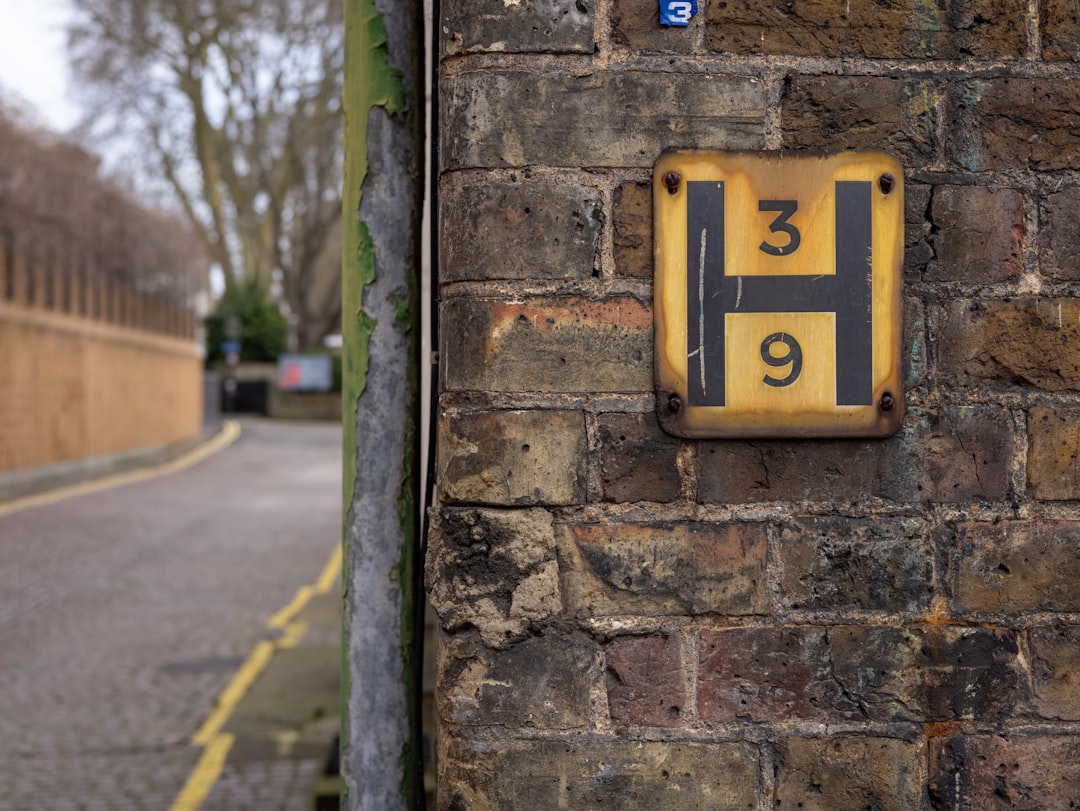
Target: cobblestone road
<point>124,613</point>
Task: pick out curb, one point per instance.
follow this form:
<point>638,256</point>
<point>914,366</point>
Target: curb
<point>39,487</point>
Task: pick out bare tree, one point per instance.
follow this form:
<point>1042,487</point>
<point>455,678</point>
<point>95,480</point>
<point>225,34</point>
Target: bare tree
<point>237,104</point>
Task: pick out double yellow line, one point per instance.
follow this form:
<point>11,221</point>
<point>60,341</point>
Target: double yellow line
<point>215,743</point>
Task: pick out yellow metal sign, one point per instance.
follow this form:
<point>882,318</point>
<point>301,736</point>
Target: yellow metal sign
<point>778,295</point>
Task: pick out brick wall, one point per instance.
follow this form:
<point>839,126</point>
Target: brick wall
<point>630,620</point>
<point>73,388</point>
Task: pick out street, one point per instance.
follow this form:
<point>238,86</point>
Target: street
<point>124,614</point>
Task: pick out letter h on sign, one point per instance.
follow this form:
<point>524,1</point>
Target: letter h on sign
<point>713,291</point>
<point>778,294</point>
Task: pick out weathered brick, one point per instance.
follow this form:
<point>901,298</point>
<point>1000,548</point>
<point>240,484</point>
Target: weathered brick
<point>917,228</point>
<point>1014,123</point>
<point>914,348</point>
<point>880,564</point>
<point>929,673</point>
<point>849,774</point>
<point>512,457</point>
<point>645,681</point>
<point>954,455</point>
<point>767,675</point>
<point>1059,24</point>
<point>582,773</point>
<point>1014,566</point>
<point>1053,449</point>
<point>1059,234</point>
<point>497,118</point>
<point>638,461</point>
<point>857,673</point>
<point>632,220</point>
<point>527,230</point>
<point>564,344</point>
<point>861,112</point>
<point>978,234</point>
<point>540,26</point>
<point>1021,772</point>
<point>670,568</point>
<point>636,24</point>
<point>1032,343</point>
<point>494,571</point>
<point>1055,671</point>
<point>907,29</point>
<point>542,682</point>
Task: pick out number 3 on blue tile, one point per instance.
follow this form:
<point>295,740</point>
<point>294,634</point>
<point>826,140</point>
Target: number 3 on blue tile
<point>677,12</point>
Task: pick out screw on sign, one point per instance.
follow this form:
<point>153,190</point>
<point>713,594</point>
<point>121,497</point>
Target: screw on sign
<point>778,294</point>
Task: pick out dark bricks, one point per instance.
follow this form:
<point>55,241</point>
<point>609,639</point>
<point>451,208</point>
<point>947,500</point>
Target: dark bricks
<point>512,457</point>
<point>667,568</point>
<point>907,29</point>
<point>861,112</point>
<point>645,681</point>
<point>768,675</point>
<point>832,562</point>
<point>528,230</point>
<point>1059,235</point>
<point>638,461</point>
<point>1055,670</point>
<point>849,774</point>
<point>978,234</point>
<point>633,620</point>
<point>515,118</point>
<point>917,228</point>
<point>1059,23</point>
<point>540,26</point>
<point>1016,566</point>
<point>583,772</point>
<point>1021,772</point>
<point>1030,343</point>
<point>857,673</point>
<point>542,682</point>
<point>955,455</point>
<point>564,344</point>
<point>1015,123</point>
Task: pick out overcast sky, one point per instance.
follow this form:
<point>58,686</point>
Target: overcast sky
<point>32,60</point>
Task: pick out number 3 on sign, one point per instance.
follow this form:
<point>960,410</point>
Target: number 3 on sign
<point>781,225</point>
<point>677,12</point>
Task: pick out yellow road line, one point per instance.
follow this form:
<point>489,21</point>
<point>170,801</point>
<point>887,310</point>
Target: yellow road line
<point>255,664</point>
<point>228,434</point>
<point>330,572</point>
<point>295,606</point>
<point>323,585</point>
<point>209,735</point>
<point>206,773</point>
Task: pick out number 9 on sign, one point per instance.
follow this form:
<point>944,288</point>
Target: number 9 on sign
<point>792,357</point>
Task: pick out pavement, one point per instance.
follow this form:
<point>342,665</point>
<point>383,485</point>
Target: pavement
<point>171,641</point>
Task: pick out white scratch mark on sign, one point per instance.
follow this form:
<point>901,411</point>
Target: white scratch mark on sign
<point>701,306</point>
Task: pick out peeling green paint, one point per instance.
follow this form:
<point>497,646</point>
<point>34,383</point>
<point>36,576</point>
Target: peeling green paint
<point>369,82</point>
<point>403,308</point>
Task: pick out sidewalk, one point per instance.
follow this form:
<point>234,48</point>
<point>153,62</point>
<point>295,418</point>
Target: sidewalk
<point>283,731</point>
